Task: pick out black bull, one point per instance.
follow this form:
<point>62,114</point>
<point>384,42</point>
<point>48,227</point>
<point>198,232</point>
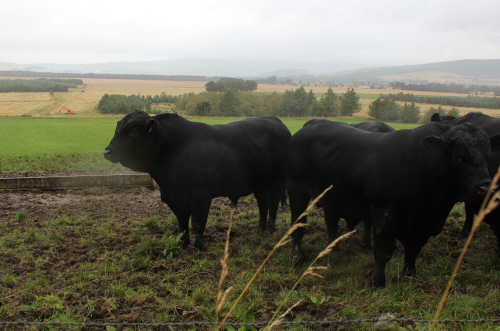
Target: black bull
<point>406,181</point>
<point>195,162</point>
<point>492,126</point>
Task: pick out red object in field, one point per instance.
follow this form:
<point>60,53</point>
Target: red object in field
<point>68,111</point>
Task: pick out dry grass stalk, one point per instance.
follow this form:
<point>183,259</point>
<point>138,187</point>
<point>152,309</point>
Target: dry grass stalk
<point>225,270</point>
<point>487,206</point>
<point>310,271</point>
<point>280,243</point>
<point>280,319</point>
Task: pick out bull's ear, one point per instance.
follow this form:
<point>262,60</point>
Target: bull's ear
<point>152,125</point>
<point>435,117</point>
<point>495,142</point>
<point>434,143</point>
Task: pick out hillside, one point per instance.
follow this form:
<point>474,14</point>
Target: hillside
<point>461,71</point>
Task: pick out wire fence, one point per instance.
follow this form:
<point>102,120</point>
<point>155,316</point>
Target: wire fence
<point>324,323</point>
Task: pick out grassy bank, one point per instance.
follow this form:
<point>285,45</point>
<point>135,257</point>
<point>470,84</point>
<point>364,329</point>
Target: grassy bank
<point>30,144</point>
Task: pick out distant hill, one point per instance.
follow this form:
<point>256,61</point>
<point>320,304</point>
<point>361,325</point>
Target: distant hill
<point>461,71</point>
<point>196,67</point>
<point>466,71</point>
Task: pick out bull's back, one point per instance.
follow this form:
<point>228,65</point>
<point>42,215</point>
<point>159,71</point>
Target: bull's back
<point>233,159</point>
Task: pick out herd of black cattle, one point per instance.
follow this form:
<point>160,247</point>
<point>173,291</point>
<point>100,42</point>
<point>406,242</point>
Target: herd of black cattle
<point>402,183</point>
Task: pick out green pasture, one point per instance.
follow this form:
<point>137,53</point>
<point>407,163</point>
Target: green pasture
<point>72,143</point>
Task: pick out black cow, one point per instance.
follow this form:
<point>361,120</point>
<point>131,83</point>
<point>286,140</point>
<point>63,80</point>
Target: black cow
<point>406,181</point>
<point>195,162</point>
<point>374,127</point>
<point>492,126</point>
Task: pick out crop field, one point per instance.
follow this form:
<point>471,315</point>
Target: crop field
<point>84,103</point>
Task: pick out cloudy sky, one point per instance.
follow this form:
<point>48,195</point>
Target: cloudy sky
<point>384,32</point>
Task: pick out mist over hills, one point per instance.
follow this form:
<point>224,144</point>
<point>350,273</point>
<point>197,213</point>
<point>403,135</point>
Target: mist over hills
<point>196,67</point>
<point>460,71</point>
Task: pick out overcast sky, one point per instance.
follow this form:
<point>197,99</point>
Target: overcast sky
<point>384,32</point>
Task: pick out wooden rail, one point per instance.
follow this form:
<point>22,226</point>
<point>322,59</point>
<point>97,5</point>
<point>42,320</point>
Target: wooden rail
<point>76,182</point>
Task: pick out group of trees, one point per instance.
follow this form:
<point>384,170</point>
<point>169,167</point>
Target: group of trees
<point>38,85</point>
<point>292,103</point>
<point>469,101</point>
<point>121,104</point>
<point>331,104</point>
<point>225,84</point>
<point>387,110</point>
<point>452,88</point>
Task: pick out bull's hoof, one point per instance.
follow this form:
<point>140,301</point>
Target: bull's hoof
<point>366,245</point>
<point>296,259</point>
<point>271,228</point>
<point>377,284</point>
<point>409,272</point>
<point>199,247</point>
<point>465,233</point>
<point>261,229</point>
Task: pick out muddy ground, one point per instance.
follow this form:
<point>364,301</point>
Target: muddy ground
<point>91,203</point>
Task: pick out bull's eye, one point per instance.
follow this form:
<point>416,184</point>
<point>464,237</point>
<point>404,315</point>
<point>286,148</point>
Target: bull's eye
<point>133,132</point>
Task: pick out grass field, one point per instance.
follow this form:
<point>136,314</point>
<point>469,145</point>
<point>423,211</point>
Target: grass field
<point>41,144</point>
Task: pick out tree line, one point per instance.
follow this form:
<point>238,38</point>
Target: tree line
<point>451,88</point>
<point>292,103</point>
<point>225,84</point>
<point>121,104</point>
<point>469,101</point>
<point>38,85</point>
<point>388,110</point>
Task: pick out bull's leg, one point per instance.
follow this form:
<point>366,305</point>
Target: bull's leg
<point>299,200</point>
<point>469,217</point>
<point>275,194</point>
<point>412,250</point>
<point>332,223</point>
<point>383,248</point>
<point>495,227</point>
<point>262,203</point>
<point>183,222</point>
<point>201,207</point>
<point>384,242</point>
<point>367,233</point>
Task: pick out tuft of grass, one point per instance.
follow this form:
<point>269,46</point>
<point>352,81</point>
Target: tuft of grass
<point>31,235</point>
<point>153,247</point>
<point>56,236</point>
<point>140,262</point>
<point>36,285</point>
<point>9,278</point>
<point>153,223</point>
<point>21,216</point>
<point>50,302</point>
<point>63,220</point>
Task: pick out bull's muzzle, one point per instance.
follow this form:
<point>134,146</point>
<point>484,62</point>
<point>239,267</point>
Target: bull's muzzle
<point>107,153</point>
<point>483,187</point>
